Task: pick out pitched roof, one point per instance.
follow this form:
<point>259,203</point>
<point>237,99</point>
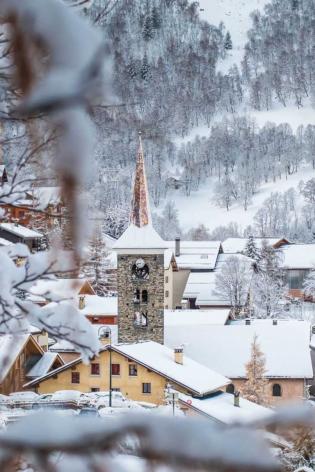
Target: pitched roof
<point>216,316</point>
<point>198,255</point>
<point>226,349</point>
<point>220,407</point>
<point>195,377</point>
<point>298,256</point>
<point>140,233</point>
<point>10,348</point>
<point>20,231</point>
<point>44,364</point>
<point>201,285</point>
<point>159,358</point>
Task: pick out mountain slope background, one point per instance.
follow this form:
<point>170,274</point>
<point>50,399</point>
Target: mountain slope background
<point>179,76</point>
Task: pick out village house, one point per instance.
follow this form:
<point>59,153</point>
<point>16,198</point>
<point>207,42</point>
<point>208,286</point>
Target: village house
<point>140,371</point>
<point>21,359</point>
<point>226,349</point>
<point>16,233</point>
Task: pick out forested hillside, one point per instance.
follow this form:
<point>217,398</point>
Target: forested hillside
<point>169,80</point>
<point>279,65</point>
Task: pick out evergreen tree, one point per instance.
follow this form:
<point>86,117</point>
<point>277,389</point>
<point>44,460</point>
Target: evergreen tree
<point>156,19</point>
<point>145,68</point>
<point>254,389</point>
<point>309,284</point>
<point>96,265</point>
<point>148,29</point>
<point>228,42</point>
<point>251,249</point>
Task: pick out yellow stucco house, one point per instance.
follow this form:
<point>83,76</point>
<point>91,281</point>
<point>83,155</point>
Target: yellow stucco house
<point>140,371</point>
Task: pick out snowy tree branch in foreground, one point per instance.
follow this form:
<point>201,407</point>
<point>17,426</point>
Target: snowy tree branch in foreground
<point>179,443</point>
<point>62,76</point>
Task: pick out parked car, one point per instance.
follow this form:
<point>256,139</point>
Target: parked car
<point>66,396</point>
<point>102,400</point>
<point>5,400</point>
<point>89,411</point>
<point>26,396</point>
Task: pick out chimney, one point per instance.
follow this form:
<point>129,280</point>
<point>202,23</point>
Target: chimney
<point>177,247</point>
<point>179,355</point>
<point>81,302</point>
<point>274,322</point>
<point>237,399</point>
<point>104,335</point>
<point>247,321</point>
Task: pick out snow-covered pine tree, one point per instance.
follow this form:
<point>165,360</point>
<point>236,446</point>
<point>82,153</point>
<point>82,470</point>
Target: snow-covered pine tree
<point>148,29</point>
<point>268,288</point>
<point>254,389</point>
<point>309,284</point>
<point>96,265</point>
<point>145,68</point>
<point>251,249</point>
<point>228,42</point>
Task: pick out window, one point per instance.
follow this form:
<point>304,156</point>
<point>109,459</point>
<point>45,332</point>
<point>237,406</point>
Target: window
<point>166,279</point>
<point>146,388</point>
<point>276,390</point>
<point>75,377</point>
<point>141,319</point>
<point>95,389</point>
<point>136,296</point>
<point>95,369</point>
<point>145,296</point>
<point>115,389</point>
<point>133,370</point>
<point>167,293</point>
<point>230,388</point>
<point>115,369</point>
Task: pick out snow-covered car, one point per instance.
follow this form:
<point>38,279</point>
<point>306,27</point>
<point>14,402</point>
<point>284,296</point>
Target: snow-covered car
<point>65,396</point>
<point>89,411</point>
<point>27,396</point>
<point>5,400</point>
<point>87,399</point>
<point>102,400</point>
<point>45,397</point>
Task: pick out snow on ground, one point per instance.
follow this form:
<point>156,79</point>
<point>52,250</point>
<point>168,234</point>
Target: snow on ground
<point>200,206</point>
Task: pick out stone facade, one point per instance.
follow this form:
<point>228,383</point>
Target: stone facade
<point>129,308</point>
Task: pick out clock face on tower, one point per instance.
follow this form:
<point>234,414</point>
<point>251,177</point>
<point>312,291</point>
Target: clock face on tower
<point>140,270</point>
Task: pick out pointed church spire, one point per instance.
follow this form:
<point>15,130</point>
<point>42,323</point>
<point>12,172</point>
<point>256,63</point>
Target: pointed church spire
<point>140,214</point>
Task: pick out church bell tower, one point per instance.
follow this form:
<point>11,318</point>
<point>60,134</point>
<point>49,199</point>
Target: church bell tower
<point>140,269</point>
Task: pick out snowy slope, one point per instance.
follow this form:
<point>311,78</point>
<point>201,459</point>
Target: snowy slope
<point>235,14</point>
<point>200,206</point>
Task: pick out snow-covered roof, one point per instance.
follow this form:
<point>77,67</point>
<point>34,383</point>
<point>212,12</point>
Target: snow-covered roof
<point>298,256</point>
<point>195,377</point>
<point>43,365</point>
<point>220,407</point>
<point>235,245</point>
<point>201,285</point>
<point>10,347</point>
<point>64,288</point>
<point>144,237</point>
<point>5,242</point>
<point>96,305</point>
<point>226,349</point>
<point>20,231</point>
<point>45,196</point>
<point>194,317</point>
<point>191,374</point>
<point>196,255</point>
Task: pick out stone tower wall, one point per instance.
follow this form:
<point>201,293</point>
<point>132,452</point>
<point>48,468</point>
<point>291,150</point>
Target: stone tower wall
<point>126,285</point>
